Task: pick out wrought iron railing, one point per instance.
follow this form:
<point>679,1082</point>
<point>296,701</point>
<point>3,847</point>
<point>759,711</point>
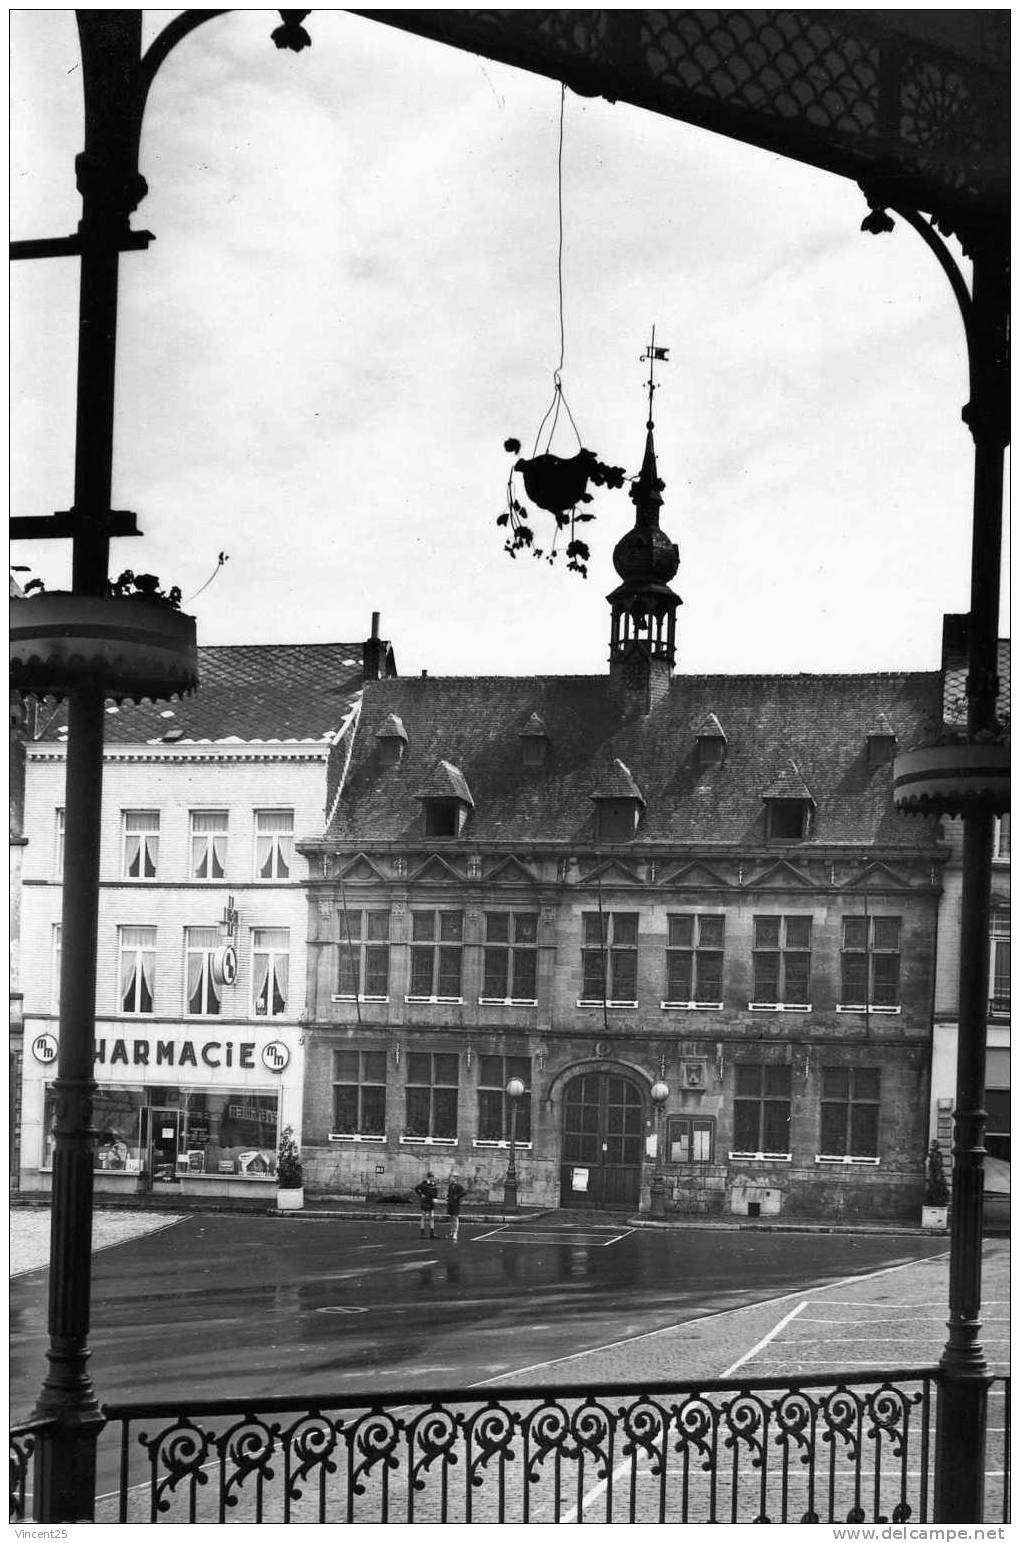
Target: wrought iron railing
<point>806,1449</point>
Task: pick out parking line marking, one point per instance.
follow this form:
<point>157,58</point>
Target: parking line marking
<point>561,1239</point>
<point>778,1329</point>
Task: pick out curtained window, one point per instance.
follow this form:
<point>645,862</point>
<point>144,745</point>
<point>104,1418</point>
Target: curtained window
<point>274,843</point>
<point>203,993</point>
<point>137,969</point>
<point>141,843</point>
<point>208,843</point>
<point>270,970</point>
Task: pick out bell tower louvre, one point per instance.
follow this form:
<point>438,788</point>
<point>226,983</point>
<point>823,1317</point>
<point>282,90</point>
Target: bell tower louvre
<point>642,647</point>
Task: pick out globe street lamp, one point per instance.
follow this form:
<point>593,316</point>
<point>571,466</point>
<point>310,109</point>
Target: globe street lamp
<point>659,1094</point>
<point>514,1092</point>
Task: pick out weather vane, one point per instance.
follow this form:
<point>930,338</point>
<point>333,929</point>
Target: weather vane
<point>652,353</point>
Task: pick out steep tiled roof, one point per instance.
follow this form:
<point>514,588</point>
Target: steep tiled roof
<point>709,728</point>
<point>391,728</point>
<point>249,694</point>
<point>446,781</point>
<point>820,721</point>
<point>788,783</point>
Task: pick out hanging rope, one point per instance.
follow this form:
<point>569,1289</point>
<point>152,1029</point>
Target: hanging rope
<point>559,400</point>
<point>221,559</point>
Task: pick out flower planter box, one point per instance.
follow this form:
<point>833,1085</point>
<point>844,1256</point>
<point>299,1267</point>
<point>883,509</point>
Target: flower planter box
<point>952,779</point>
<point>290,1199</point>
<point>935,1218</point>
<point>134,646</point>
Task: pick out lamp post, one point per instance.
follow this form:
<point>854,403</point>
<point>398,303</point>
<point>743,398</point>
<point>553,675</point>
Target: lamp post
<point>659,1094</point>
<point>514,1092</point>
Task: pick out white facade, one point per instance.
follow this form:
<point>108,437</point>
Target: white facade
<point>199,1055</point>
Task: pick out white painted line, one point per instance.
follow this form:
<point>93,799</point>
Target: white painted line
<point>780,1326</point>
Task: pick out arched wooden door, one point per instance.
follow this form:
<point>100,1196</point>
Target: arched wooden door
<point>603,1131</point>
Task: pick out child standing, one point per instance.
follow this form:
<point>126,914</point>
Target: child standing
<point>427,1192</point>
<point>454,1195</point>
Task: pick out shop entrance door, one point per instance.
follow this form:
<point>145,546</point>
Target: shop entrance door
<point>161,1141</point>
<point>603,1129</point>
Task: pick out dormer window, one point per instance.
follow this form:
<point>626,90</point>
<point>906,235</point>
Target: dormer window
<point>881,741</point>
<point>711,742</point>
<point>534,743</point>
<point>789,806</point>
<point>446,801</point>
<point>392,740</point>
<point>618,805</point>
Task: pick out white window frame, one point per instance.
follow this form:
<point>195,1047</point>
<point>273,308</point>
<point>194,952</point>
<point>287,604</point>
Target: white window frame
<point>281,848</point>
<point>272,953</point>
<point>209,990</point>
<point>60,823</point>
<point>136,950</point>
<point>208,839</point>
<point>143,846</point>
<point>1000,851</point>
<point>56,955</point>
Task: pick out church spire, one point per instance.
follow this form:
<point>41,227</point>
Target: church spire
<point>643,639</point>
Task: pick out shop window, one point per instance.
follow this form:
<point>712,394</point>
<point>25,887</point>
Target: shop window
<point>870,962</point>
<point>431,1097</point>
<point>436,955</point>
<point>172,1131</point>
<point>364,955</point>
<point>494,1072</point>
<point>270,960</point>
<point>761,1111</point>
<point>849,1126</point>
<point>58,848</point>
<point>694,961</point>
<point>137,950</point>
<point>359,1093</point>
<point>140,843</point>
<point>274,843</point>
<point>689,1140</point>
<point>201,987</point>
<point>999,969</point>
<point>511,956</point>
<point>609,958</point>
<point>208,843</point>
<point>782,961</point>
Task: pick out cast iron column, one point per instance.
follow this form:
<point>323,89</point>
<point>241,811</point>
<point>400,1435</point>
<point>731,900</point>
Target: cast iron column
<point>963,1392</point>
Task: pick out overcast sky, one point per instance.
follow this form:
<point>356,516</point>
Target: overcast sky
<point>352,302</point>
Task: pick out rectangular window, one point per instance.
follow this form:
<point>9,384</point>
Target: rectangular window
<point>694,960</point>
<point>436,954</point>
<point>761,1110</point>
<point>1001,849</point>
<point>870,962</point>
<point>999,970</point>
<point>494,1106</point>
<point>364,954</point>
<point>208,843</point>
<point>270,970</point>
<point>431,1096</point>
<point>609,957</point>
<point>140,843</point>
<point>274,843</point>
<point>849,1126</point>
<point>202,990</point>
<point>137,949</point>
<point>56,955</point>
<point>782,961</point>
<point>689,1140</point>
<point>58,848</point>
<point>511,956</point>
<point>359,1092</point>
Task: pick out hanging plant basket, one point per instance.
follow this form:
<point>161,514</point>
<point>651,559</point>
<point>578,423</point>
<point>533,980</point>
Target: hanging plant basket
<point>137,645</point>
<point>557,484</point>
<point>953,779</point>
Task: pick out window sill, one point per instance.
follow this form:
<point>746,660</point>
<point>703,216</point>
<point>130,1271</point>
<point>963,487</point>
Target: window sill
<point>352,1136</point>
<point>779,1007</point>
<point>691,1007</point>
<point>508,1001</point>
<point>863,1162</point>
<point>429,1141</point>
<point>502,1146</point>
<point>759,1157</point>
<point>852,1007</point>
<point>343,996</point>
<point>437,1001</point>
<point>598,1002</point>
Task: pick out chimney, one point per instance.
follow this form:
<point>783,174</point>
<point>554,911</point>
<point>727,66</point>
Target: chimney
<point>375,654</point>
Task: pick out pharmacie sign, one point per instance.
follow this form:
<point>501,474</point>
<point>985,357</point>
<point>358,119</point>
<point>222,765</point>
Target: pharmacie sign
<point>216,1054</point>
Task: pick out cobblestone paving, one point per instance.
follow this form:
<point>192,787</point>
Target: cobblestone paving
<point>29,1233</point>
